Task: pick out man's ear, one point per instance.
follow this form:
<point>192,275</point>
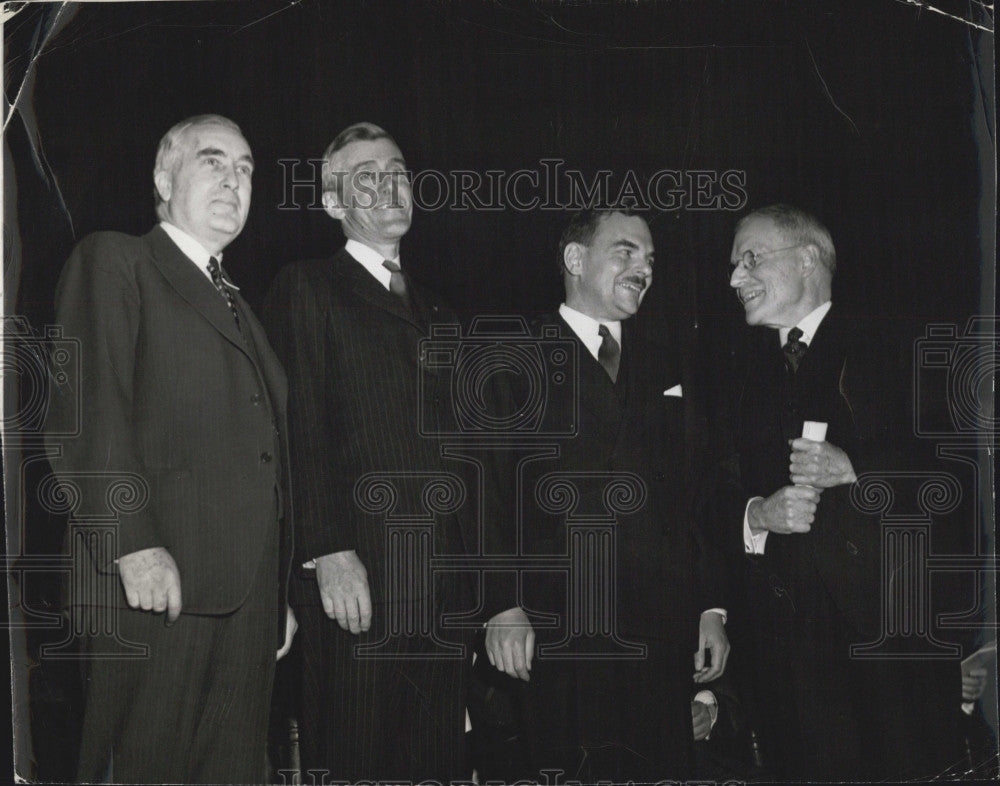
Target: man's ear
<point>810,259</point>
<point>332,206</point>
<point>164,184</point>
<point>573,258</point>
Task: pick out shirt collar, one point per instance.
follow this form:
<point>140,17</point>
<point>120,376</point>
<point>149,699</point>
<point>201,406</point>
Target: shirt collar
<point>809,324</point>
<point>586,328</point>
<point>370,260</point>
<point>192,249</point>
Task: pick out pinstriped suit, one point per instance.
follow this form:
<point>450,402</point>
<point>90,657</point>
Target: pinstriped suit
<point>351,351</point>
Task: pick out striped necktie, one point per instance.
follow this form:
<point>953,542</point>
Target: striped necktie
<point>216,272</point>
<point>397,281</point>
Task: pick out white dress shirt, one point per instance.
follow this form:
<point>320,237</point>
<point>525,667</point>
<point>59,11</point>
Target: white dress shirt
<point>586,329</point>
<point>193,250</point>
<point>371,260</point>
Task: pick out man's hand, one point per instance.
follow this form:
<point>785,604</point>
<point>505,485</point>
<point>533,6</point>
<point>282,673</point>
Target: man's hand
<point>711,636</point>
<point>791,509</point>
<point>820,464</point>
<point>701,718</point>
<point>291,625</point>
<point>151,581</point>
<point>343,588</point>
<point>510,643</point>
<point>973,682</point>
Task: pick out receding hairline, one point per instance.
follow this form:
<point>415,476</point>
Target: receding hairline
<point>175,132</point>
<point>797,226</point>
<point>356,132</point>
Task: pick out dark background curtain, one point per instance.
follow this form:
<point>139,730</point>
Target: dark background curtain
<point>878,116</point>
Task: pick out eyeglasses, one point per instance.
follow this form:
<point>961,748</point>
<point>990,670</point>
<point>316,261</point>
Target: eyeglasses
<point>750,260</point>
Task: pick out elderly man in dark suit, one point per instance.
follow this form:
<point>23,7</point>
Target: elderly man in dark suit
<point>615,706</point>
<point>382,697</point>
<point>180,392</point>
<point>807,560</point>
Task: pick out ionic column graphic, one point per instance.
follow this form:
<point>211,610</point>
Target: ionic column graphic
<point>592,599</point>
<point>410,592</point>
<point>92,537</point>
<point>905,587</point>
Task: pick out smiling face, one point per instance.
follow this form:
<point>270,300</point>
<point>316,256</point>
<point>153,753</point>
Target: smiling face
<point>608,278</point>
<point>206,192</point>
<point>373,201</point>
<point>776,293</point>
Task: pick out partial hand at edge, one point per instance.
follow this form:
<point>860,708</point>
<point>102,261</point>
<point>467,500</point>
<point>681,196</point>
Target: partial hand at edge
<point>973,683</point>
<point>510,643</point>
<point>701,720</point>
<point>151,581</point>
<point>711,636</point>
<point>291,625</point>
<point>343,589</point>
<point>789,510</point>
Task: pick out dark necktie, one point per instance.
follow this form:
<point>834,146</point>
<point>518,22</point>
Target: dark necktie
<point>397,281</point>
<point>216,272</point>
<point>610,354</point>
<point>794,349</point>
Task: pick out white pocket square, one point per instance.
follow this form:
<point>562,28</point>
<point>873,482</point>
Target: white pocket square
<point>674,391</point>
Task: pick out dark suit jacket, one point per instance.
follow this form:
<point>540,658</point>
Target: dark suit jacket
<point>821,591</point>
<point>628,427</point>
<point>357,383</point>
<point>837,383</point>
<point>632,715</point>
<point>170,392</point>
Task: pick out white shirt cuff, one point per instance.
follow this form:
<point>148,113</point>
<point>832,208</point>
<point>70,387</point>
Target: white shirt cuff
<point>753,543</point>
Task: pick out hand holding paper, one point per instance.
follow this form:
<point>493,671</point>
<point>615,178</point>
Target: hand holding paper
<point>817,463</point>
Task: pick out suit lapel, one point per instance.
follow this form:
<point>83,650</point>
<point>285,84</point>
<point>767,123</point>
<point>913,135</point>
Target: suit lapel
<point>596,391</point>
<point>366,288</point>
<point>191,284</point>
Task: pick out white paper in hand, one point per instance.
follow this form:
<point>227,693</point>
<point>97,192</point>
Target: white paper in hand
<point>814,431</point>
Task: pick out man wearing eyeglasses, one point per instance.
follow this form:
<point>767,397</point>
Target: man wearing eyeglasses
<point>811,570</point>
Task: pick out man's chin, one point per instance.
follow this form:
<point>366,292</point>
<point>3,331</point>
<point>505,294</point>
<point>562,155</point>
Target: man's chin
<point>225,230</point>
<point>394,228</point>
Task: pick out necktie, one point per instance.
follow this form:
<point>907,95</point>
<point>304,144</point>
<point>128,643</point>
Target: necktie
<point>794,349</point>
<point>610,354</point>
<point>397,281</point>
<point>216,272</point>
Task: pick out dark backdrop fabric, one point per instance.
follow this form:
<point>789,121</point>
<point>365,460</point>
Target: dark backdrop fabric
<point>878,116</point>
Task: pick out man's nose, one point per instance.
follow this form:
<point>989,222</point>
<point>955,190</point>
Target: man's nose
<point>737,278</point>
<point>230,178</point>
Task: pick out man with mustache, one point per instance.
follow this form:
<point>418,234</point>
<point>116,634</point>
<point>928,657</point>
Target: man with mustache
<point>380,698</point>
<point>629,717</point>
<point>807,560</point>
<point>183,399</point>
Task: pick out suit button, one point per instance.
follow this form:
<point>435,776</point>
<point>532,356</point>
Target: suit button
<point>265,457</point>
<point>660,476</point>
<point>255,399</point>
<point>852,548</point>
